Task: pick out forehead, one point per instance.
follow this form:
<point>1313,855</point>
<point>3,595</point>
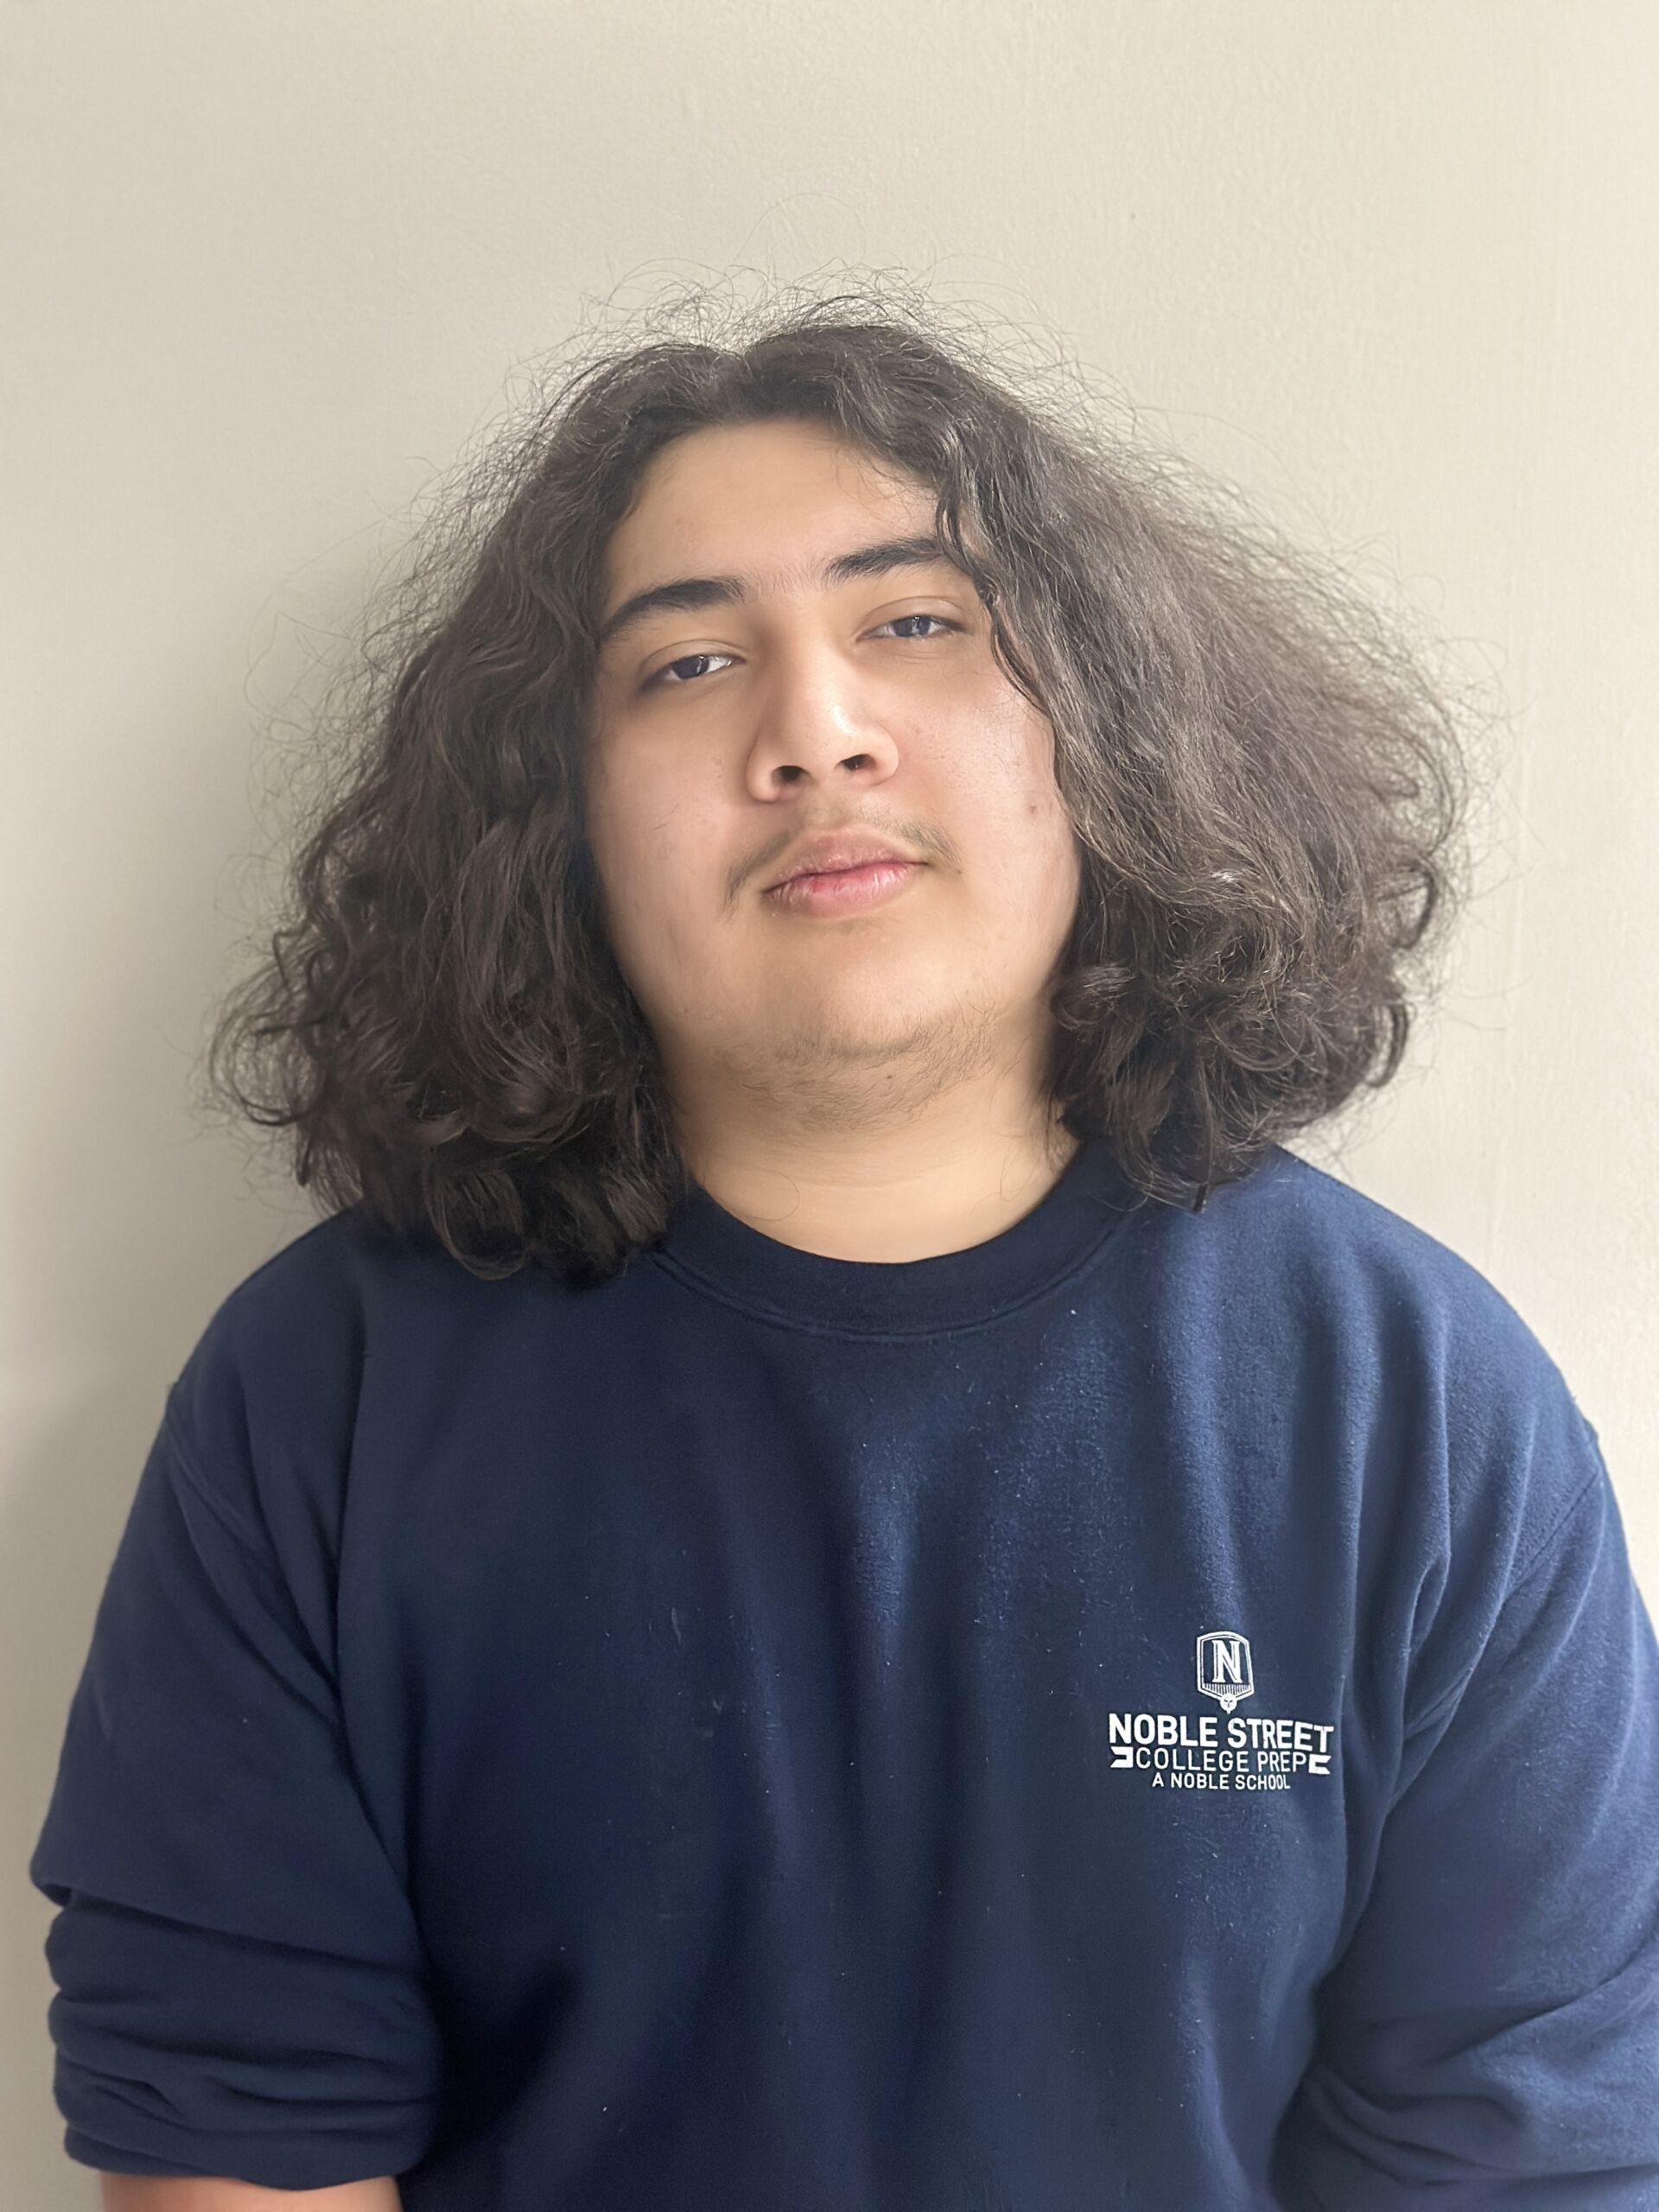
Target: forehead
<point>759,498</point>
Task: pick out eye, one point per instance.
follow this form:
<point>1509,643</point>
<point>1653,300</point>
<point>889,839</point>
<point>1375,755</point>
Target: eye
<point>685,660</point>
<point>665,677</point>
<point>937,619</point>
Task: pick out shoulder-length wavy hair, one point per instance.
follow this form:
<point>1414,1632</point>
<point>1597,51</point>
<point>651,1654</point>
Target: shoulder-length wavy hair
<point>1265,786</point>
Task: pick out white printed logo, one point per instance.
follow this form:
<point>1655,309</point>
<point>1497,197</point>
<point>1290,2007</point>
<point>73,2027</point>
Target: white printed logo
<point>1183,1751</point>
<point>1225,1671</point>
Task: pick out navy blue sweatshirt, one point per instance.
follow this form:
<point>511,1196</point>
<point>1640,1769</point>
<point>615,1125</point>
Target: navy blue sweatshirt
<point>1152,1711</point>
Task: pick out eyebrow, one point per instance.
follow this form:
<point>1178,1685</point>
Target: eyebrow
<point>685,594</point>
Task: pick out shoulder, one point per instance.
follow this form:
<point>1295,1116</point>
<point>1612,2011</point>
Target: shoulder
<point>291,1320</point>
<point>266,1405</point>
<point>344,1290</point>
<point>1460,1395</point>
<point>1369,1270</point>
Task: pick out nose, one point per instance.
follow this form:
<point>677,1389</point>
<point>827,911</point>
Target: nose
<point>816,724</point>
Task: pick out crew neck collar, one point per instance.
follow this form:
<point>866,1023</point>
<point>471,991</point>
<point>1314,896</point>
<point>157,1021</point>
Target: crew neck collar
<point>719,1254</point>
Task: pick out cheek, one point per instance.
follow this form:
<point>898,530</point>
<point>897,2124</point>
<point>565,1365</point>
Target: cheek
<point>597,821</point>
<point>1020,808</point>
<point>622,862</point>
<point>632,837</point>
<point>660,897</point>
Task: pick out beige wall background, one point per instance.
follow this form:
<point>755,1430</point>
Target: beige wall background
<point>1391,268</point>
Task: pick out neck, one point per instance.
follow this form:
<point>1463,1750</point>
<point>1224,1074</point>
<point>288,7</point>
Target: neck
<point>937,1184</point>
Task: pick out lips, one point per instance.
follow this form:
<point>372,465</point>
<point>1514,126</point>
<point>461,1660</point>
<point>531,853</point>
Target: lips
<point>844,891</point>
<point>836,852</point>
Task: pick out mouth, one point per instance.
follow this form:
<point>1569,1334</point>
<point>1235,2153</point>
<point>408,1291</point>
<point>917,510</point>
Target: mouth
<point>844,890</point>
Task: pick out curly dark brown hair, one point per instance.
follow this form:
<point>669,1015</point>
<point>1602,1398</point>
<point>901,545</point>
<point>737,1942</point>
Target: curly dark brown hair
<point>1266,786</point>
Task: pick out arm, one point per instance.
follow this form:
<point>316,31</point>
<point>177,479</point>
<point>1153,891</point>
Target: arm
<point>1492,2036</point>
<point>242,1990</point>
<point>190,2193</point>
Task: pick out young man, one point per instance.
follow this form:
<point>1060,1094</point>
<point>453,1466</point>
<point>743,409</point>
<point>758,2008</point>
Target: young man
<point>837,1583</point>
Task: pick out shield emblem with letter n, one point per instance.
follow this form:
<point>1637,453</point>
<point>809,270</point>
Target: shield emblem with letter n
<point>1224,1669</point>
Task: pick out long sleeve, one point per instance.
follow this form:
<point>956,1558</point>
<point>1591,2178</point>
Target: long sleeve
<point>1491,2035</point>
<point>241,1988</point>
